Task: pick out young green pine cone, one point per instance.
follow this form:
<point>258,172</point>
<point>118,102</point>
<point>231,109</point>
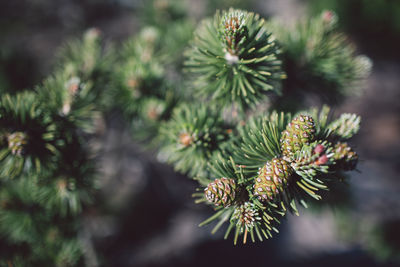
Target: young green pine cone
<point>345,157</point>
<point>272,178</point>
<point>246,215</point>
<point>221,192</point>
<point>299,132</point>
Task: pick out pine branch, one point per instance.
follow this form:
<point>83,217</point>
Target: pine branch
<point>319,59</point>
<point>30,140</point>
<point>43,148</point>
<point>346,126</point>
<point>251,169</point>
<point>256,188</point>
<point>234,59</point>
<point>191,137</point>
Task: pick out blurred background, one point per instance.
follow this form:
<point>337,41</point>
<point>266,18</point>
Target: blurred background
<point>145,215</point>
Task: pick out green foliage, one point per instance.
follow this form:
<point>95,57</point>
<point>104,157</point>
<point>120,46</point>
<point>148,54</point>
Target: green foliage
<point>147,80</point>
<point>47,176</point>
<point>253,167</point>
<point>259,140</point>
<point>313,159</point>
<point>191,137</point>
<point>346,126</point>
<point>68,189</point>
<point>70,99</point>
<point>322,118</point>
<point>85,58</point>
<point>267,185</point>
<point>141,73</point>
<point>319,59</point>
<point>233,58</point>
<point>88,60</point>
<point>38,141</point>
<point>161,13</point>
<point>23,221</point>
<point>232,61</point>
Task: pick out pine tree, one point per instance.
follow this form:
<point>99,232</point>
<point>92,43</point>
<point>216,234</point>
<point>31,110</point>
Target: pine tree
<point>200,109</point>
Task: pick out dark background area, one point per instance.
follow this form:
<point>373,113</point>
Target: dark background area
<point>145,215</point>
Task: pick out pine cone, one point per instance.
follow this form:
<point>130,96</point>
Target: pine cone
<point>272,178</point>
<point>246,215</point>
<point>299,132</point>
<point>221,192</point>
<point>345,157</point>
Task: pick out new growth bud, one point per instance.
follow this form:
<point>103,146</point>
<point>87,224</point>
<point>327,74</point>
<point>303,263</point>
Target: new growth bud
<point>17,142</point>
<point>233,33</point>
<point>186,139</point>
<point>319,149</point>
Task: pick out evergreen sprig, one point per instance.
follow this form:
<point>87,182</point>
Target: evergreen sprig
<point>313,159</point>
<point>47,174</point>
<point>30,140</point>
<point>260,140</point>
<point>85,57</point>
<point>346,126</point>
<point>145,83</point>
<point>245,215</point>
<point>22,221</point>
<point>267,183</point>
<point>70,188</point>
<point>191,137</point>
<point>318,59</point>
<point>71,100</point>
<point>233,58</point>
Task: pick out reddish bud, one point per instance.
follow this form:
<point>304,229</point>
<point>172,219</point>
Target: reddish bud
<point>186,139</point>
<point>153,113</point>
<point>327,16</point>
<point>319,149</point>
<point>322,160</point>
